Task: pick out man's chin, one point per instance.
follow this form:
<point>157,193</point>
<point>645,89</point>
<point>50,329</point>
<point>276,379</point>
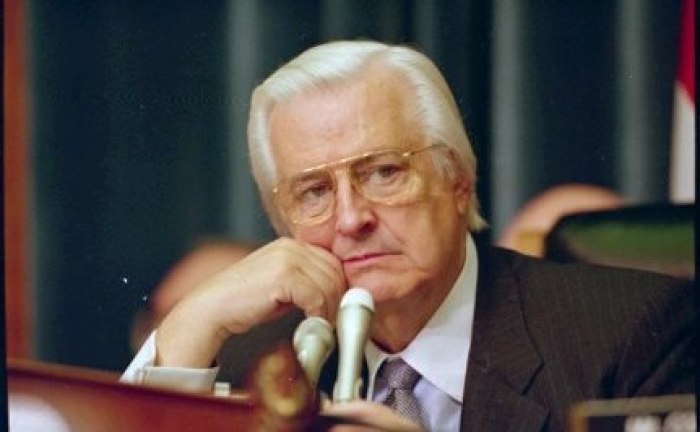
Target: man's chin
<point>368,283</point>
<point>376,286</point>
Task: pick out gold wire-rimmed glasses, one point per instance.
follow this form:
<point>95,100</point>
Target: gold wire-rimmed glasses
<point>388,177</point>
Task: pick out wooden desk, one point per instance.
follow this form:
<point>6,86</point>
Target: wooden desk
<point>89,401</point>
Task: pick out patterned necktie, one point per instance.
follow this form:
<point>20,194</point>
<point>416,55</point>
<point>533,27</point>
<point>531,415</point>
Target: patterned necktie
<point>401,378</point>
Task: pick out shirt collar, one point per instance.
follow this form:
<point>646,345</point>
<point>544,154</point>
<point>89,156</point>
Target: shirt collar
<point>440,350</point>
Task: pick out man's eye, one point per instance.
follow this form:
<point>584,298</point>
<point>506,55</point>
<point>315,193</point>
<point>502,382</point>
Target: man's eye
<point>384,173</point>
<point>387,170</point>
<point>312,193</point>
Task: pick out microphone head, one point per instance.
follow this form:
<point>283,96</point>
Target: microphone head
<point>357,296</point>
<point>317,327</point>
<point>353,329</point>
<point>313,342</point>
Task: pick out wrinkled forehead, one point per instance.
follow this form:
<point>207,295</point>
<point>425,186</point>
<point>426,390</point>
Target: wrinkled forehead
<point>331,123</point>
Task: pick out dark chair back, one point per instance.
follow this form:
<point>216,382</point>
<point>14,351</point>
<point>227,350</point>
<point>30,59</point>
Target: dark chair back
<point>657,238</point>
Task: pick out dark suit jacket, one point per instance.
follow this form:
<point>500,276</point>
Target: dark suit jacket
<point>547,335</point>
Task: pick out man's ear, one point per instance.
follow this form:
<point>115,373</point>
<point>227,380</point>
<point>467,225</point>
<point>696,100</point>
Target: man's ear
<point>462,186</point>
<point>463,192</point>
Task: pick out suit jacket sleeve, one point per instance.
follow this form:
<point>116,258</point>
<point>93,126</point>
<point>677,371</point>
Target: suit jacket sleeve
<point>658,358</point>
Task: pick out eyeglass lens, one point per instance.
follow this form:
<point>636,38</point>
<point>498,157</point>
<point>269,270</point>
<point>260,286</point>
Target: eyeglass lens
<point>386,177</point>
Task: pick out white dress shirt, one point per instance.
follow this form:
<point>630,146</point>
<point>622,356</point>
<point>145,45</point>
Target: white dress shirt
<point>439,353</point>
<point>141,370</point>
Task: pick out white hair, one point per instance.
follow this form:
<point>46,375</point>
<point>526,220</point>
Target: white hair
<point>336,63</point>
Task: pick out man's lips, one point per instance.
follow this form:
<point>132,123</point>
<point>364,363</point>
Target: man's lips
<point>364,257</point>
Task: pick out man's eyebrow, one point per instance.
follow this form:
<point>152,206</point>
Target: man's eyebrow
<point>305,175</point>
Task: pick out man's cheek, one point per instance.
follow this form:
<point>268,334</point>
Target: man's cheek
<point>316,237</point>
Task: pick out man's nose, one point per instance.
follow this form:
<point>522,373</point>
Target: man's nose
<point>354,213</point>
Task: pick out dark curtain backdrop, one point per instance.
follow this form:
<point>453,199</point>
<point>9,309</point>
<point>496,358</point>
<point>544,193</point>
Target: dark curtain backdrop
<point>139,113</point>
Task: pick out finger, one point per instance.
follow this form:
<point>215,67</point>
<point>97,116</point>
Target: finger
<point>301,277</point>
<point>310,293</point>
<point>336,284</point>
<point>325,286</point>
<point>321,275</point>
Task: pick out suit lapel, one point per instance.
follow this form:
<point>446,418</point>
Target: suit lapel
<point>502,360</point>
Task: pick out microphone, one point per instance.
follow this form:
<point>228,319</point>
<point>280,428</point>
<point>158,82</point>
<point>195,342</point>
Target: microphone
<point>313,342</point>
<point>354,323</point>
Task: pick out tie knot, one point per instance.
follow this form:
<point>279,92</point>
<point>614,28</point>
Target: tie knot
<point>399,375</point>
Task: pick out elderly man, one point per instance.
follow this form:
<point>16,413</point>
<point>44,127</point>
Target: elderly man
<point>366,171</point>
